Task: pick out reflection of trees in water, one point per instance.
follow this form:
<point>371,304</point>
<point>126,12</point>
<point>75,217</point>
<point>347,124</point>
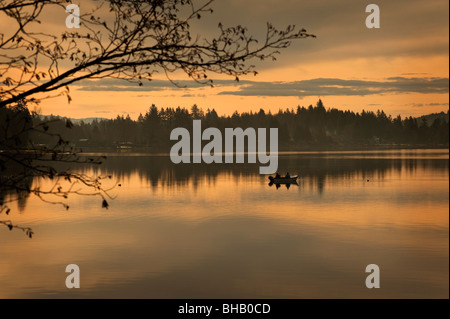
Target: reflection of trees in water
<point>15,186</point>
<point>20,177</point>
<point>159,171</point>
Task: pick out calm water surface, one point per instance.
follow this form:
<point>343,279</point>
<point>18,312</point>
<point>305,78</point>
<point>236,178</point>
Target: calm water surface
<point>220,231</point>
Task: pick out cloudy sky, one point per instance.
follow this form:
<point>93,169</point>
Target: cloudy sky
<point>401,67</point>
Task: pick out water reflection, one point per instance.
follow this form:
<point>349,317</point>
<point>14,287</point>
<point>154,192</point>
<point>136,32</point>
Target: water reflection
<point>219,231</point>
<point>158,170</point>
<point>315,168</point>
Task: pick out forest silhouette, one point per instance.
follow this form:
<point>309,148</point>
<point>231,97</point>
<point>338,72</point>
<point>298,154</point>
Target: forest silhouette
<point>311,128</point>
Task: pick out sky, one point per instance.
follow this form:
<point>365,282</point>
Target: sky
<point>402,67</point>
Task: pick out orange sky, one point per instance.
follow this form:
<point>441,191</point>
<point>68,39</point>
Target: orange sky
<point>412,43</point>
<point>405,104</point>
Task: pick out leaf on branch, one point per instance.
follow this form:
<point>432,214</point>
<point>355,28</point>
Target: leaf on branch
<point>8,81</point>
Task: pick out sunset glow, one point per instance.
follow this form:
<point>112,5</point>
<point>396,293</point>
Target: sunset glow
<point>412,43</point>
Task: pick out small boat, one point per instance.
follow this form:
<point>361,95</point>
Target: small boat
<point>284,180</point>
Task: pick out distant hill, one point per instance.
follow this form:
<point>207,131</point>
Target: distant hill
<point>430,118</point>
<point>87,120</point>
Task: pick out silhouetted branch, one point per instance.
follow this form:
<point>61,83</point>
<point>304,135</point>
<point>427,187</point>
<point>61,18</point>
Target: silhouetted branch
<point>27,230</point>
<point>144,37</point>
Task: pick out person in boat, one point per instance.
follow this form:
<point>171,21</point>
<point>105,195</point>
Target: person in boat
<point>288,175</point>
<point>277,175</point>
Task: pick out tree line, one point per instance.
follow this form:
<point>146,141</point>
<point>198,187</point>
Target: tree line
<point>304,128</point>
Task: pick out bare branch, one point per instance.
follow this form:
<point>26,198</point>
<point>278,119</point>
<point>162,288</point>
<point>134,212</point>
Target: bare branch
<point>145,37</point>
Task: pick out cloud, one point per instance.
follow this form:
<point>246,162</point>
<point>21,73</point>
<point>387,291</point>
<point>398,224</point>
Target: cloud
<point>427,104</point>
<point>121,85</point>
<point>437,104</point>
<point>408,28</point>
<point>194,95</point>
<point>413,73</point>
<point>340,87</point>
<point>304,88</point>
<point>148,86</point>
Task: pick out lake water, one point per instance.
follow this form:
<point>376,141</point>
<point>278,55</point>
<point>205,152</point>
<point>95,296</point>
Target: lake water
<point>220,231</point>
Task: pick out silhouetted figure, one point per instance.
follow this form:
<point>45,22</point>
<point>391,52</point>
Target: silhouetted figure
<point>277,175</point>
<point>288,175</point>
